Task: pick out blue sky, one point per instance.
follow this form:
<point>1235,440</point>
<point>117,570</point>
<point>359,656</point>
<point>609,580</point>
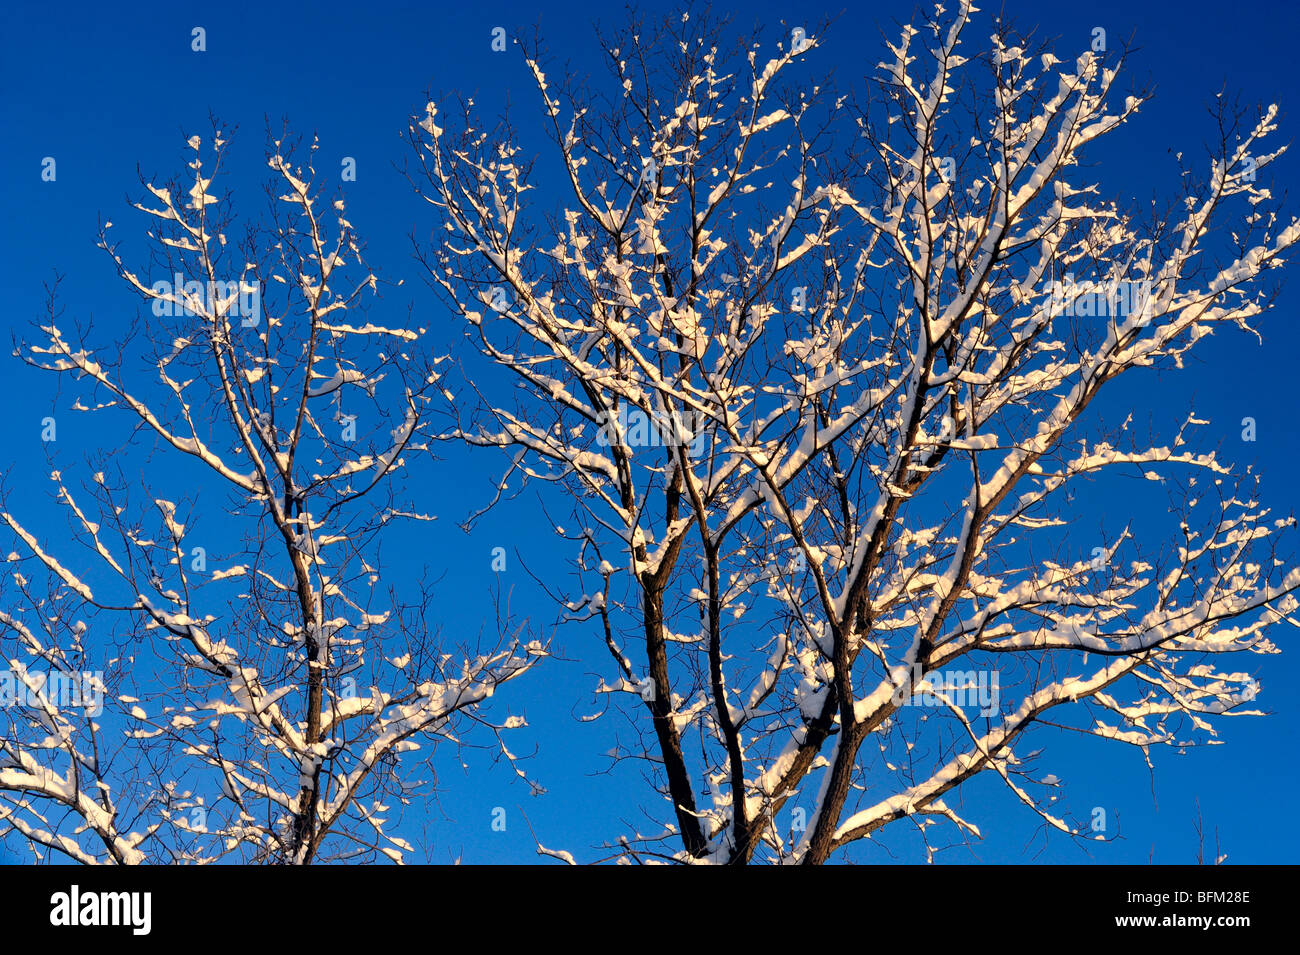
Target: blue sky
<point>105,90</point>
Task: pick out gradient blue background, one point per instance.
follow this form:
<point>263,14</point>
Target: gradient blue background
<point>104,87</point>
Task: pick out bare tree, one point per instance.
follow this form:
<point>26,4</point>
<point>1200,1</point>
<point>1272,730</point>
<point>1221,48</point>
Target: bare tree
<point>252,686</point>
<point>814,372</point>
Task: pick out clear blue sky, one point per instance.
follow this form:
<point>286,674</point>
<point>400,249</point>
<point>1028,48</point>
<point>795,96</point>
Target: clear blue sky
<point>105,87</point>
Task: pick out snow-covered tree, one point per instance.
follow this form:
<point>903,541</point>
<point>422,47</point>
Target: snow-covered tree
<point>214,662</point>
<point>819,374</point>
